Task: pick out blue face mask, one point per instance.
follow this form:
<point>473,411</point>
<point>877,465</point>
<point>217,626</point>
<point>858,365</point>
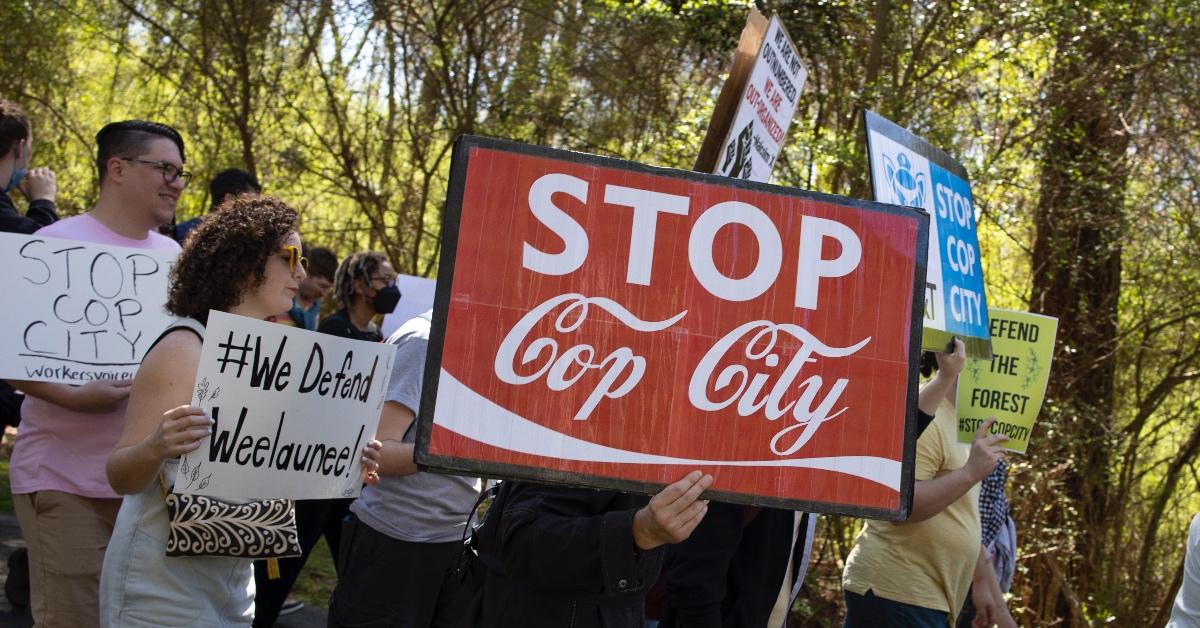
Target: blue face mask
<point>17,176</point>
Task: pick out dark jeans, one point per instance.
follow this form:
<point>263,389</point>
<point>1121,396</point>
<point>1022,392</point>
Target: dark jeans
<point>967,615</point>
<point>314,518</point>
<point>388,582</point>
<point>871,611</point>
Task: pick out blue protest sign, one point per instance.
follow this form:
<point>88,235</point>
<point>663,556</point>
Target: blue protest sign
<point>907,170</point>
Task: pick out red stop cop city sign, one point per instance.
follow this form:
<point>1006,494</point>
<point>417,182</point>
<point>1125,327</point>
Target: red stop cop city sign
<point>609,324</point>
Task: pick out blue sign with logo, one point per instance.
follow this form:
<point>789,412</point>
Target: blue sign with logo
<point>907,170</point>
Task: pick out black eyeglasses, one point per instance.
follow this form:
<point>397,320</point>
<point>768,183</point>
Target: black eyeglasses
<point>170,172</point>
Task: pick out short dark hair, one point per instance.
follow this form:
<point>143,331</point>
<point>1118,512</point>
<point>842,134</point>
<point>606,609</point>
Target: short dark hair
<point>129,138</point>
<point>321,262</point>
<point>227,255</point>
<point>14,125</point>
<point>360,265</point>
<point>928,363</point>
<point>231,182</point>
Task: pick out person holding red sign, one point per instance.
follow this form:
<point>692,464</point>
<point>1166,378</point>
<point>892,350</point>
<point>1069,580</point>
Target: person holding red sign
<point>918,572</point>
<point>567,556</point>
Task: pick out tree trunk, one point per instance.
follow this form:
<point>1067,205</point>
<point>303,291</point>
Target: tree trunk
<point>1079,222</point>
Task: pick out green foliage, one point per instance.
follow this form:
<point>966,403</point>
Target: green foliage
<point>1074,119</point>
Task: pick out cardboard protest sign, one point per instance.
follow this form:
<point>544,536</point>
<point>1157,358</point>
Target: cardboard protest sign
<point>608,324</point>
<point>1012,385</point>
<point>293,408</point>
<point>416,299</point>
<point>764,113</point>
<point>907,170</point>
<point>77,311</point>
<point>733,91</point>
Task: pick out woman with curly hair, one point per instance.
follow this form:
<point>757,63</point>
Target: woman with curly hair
<point>245,260</point>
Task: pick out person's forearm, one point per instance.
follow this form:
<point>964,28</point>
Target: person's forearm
<point>396,458</point>
<point>933,393</point>
<point>131,469</point>
<point>933,496</point>
<point>983,570</point>
<point>985,575</point>
<point>42,211</point>
<point>59,394</point>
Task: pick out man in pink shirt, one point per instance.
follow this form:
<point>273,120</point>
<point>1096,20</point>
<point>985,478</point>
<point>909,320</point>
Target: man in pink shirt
<point>63,501</point>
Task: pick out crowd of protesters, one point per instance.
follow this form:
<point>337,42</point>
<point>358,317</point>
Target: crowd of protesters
<point>92,463</point>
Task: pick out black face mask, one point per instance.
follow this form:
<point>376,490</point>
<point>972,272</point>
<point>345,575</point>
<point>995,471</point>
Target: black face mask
<point>386,299</point>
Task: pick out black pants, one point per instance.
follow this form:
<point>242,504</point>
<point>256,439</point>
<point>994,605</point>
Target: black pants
<point>314,518</point>
<point>10,405</point>
<point>388,582</point>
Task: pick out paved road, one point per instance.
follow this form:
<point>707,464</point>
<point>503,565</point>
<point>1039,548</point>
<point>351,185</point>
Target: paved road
<point>10,539</point>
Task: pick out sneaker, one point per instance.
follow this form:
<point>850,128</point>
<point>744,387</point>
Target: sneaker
<point>290,605</point>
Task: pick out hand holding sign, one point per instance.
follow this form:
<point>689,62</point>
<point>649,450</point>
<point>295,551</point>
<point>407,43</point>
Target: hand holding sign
<point>986,451</point>
<point>673,513</point>
<point>951,364</point>
<point>370,462</point>
<point>96,396</point>
<point>181,431</point>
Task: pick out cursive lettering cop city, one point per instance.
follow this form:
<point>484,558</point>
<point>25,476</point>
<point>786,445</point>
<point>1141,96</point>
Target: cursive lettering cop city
<point>743,369</point>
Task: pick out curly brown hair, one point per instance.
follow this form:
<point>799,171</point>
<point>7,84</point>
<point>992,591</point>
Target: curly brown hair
<point>227,255</point>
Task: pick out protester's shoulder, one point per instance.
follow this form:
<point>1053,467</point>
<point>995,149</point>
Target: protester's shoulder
<point>87,229</point>
<point>414,329</point>
<point>934,432</point>
<point>335,324</point>
<point>17,224</point>
<point>945,421</point>
<point>189,224</point>
<point>160,242</point>
<point>176,351</point>
<point>71,227</point>
<point>564,499</point>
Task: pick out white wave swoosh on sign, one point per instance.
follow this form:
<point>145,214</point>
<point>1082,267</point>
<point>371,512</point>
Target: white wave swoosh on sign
<point>467,413</point>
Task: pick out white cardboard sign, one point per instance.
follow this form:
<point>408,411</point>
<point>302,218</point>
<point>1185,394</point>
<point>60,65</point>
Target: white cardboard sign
<point>416,298</point>
<point>293,409</point>
<point>76,311</point>
<point>765,110</point>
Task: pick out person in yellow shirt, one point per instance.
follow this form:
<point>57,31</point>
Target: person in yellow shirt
<point>917,573</point>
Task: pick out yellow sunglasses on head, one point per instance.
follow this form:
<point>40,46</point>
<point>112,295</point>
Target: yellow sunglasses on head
<point>293,257</point>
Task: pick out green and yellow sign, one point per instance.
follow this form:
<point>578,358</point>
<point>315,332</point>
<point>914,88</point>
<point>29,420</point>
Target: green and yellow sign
<point>1012,385</point>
